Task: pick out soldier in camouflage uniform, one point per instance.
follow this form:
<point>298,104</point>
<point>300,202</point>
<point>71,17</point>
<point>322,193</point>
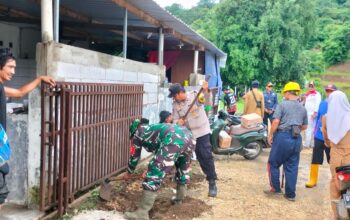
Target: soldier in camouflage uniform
<point>171,145</point>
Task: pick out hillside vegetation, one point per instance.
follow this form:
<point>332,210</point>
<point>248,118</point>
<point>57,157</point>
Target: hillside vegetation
<point>275,40</point>
<point>338,74</point>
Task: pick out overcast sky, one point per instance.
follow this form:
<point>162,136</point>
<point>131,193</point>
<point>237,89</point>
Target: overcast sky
<point>184,3</point>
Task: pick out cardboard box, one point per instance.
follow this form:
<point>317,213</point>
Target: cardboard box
<point>224,139</point>
<point>251,120</point>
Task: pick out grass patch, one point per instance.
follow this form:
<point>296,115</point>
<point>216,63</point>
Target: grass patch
<point>91,202</point>
<point>34,196</point>
<point>320,83</point>
<point>330,73</point>
<point>240,106</point>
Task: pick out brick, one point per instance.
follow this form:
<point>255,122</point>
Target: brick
<point>152,97</point>
<point>145,99</point>
<point>150,87</point>
<point>91,72</point>
<point>114,74</point>
<point>130,76</point>
<point>146,77</point>
<point>68,70</point>
<point>98,73</point>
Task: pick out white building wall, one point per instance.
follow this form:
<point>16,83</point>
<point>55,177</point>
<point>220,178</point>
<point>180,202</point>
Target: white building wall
<point>10,34</point>
<point>23,39</point>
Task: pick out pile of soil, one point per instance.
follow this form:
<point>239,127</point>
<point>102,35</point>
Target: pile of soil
<point>128,193</point>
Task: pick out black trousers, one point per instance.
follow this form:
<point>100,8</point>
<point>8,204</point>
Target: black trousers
<point>317,152</point>
<point>205,156</point>
<point>267,116</point>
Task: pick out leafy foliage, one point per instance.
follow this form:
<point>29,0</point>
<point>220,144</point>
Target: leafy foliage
<point>273,40</point>
<point>264,39</point>
<point>337,46</point>
<point>314,61</point>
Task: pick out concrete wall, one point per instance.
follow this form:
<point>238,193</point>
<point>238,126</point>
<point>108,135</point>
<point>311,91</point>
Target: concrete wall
<point>17,178</point>
<point>72,64</point>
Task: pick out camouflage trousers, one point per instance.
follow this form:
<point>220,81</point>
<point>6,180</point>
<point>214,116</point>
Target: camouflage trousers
<point>162,163</point>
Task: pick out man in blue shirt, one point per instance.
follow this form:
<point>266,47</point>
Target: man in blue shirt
<point>320,147</point>
<point>270,98</point>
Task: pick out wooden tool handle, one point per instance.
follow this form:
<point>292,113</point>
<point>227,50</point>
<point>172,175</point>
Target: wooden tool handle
<point>195,99</point>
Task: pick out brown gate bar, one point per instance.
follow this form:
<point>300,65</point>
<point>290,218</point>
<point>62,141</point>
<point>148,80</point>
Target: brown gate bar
<point>84,137</point>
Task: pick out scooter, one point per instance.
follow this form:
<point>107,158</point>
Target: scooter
<point>343,205</point>
<point>245,142</point>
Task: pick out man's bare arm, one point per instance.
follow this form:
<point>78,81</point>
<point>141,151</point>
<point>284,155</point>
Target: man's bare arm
<point>24,90</point>
<point>303,127</point>
<point>274,125</point>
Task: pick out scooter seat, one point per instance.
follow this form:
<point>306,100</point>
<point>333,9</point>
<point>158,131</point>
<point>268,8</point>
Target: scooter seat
<point>345,168</point>
<point>239,130</point>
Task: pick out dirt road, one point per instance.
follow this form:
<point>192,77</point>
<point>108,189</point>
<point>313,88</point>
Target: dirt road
<point>241,194</point>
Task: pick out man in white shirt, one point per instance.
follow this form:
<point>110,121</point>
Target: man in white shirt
<point>312,102</point>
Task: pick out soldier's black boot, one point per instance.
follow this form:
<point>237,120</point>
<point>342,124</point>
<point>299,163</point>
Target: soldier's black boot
<point>212,189</point>
<point>180,194</point>
<point>145,205</point>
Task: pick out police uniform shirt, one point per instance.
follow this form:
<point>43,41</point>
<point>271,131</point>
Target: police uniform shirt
<point>197,120</point>
<point>290,112</point>
<point>270,99</point>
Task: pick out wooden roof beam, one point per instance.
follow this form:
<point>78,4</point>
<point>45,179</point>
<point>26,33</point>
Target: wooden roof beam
<point>74,14</point>
<point>70,13</point>
<point>139,13</point>
<point>148,18</point>
<point>27,20</point>
<point>14,12</point>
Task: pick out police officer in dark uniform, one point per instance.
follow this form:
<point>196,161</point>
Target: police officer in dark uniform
<point>270,98</point>
<point>290,118</point>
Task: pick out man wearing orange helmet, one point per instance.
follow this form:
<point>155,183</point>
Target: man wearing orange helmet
<point>290,118</point>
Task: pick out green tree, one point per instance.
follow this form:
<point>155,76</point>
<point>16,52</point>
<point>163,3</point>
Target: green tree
<point>206,3</point>
<point>337,46</point>
<point>264,38</point>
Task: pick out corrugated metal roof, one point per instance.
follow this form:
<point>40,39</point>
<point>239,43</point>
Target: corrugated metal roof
<point>107,12</point>
<point>156,11</point>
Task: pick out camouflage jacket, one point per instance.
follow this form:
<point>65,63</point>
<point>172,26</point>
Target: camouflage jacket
<point>153,137</point>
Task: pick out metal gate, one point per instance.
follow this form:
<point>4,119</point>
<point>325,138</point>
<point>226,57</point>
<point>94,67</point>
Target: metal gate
<point>84,137</point>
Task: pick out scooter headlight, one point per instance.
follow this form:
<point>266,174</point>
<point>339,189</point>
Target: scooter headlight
<point>265,133</point>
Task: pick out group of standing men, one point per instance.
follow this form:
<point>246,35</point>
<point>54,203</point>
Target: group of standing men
<point>173,143</point>
<point>255,101</point>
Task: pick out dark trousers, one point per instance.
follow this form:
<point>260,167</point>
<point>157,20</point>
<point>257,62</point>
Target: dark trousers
<point>317,152</point>
<point>205,156</point>
<point>267,116</point>
<point>285,151</point>
<point>4,170</point>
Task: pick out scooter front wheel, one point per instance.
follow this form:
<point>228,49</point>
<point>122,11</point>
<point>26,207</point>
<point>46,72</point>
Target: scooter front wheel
<point>253,150</point>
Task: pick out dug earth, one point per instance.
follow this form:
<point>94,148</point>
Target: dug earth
<point>240,194</point>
